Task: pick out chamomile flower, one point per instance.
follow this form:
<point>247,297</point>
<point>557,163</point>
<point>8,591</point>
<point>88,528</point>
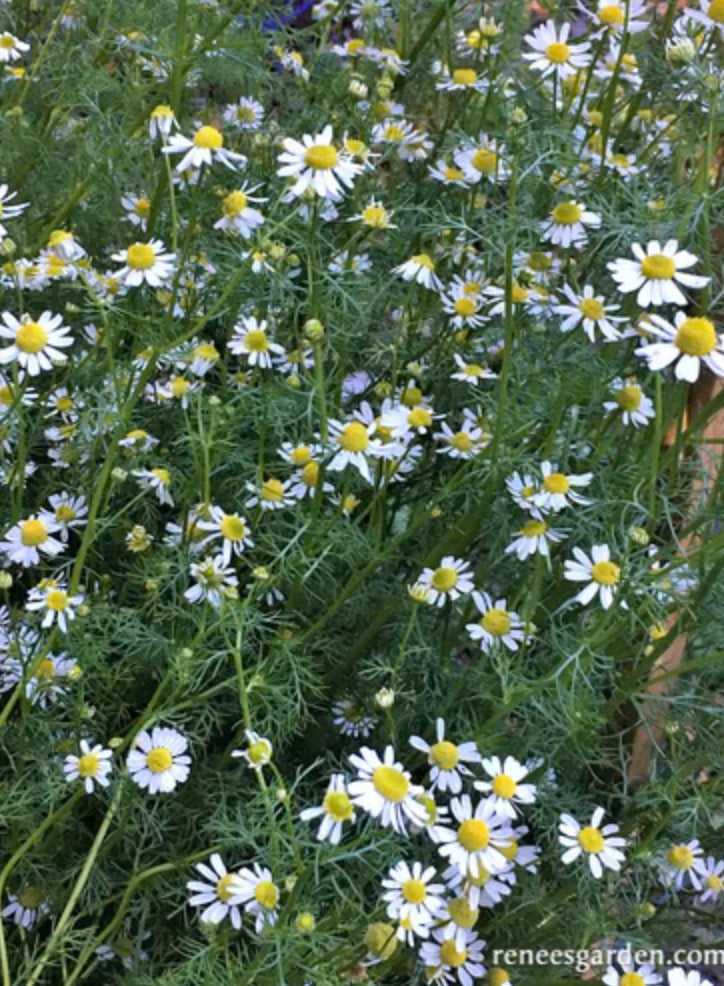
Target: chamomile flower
<point>158,480</point>
<point>466,443</point>
<point>259,894</point>
<point>420,269</point>
<point>602,846</point>
<point>25,908</point>
<point>11,48</point>
<point>335,810</point>
<point>630,403</point>
<point>271,494</point>
<point>552,54</point>
<point>215,893</point>
<point>92,766</point>
<point>471,373</point>
<point>534,538</point>
<point>231,529</point>
<point>601,574</point>
<point>450,580</point>
<point>447,759</point>
<point>246,114</point>
<point>137,209</point>
<point>70,512</point>
<point>484,890</point>
<point>447,960</point>
<point>710,13</point>
<point>568,223</point>
<point>258,752</point>
<point>215,582</point>
<point>250,339</point>
<point>463,79</point>
<point>591,312</point>
<point>158,760</point>
<point>505,789</point>
<point>523,490</point>
<point>712,881</point>
<point>375,216</point>
<point>558,490</point>
<point>205,147</point>
<point>683,865</point>
<point>411,897</point>
<point>630,974</point>
<point>316,164</point>
<point>447,173</point>
<point>27,540</point>
<point>497,624</point>
<point>161,121</point>
<point>145,263</point>
<point>689,343</point>
<point>464,309</point>
<point>238,215</point>
<point>610,17</point>
<point>56,603</point>
<point>485,160</point>
<point>34,345</point>
<point>8,209</point>
<point>384,790</point>
<point>656,273</point>
<point>350,719</point>
<point>479,838</point>
<point>353,445</point>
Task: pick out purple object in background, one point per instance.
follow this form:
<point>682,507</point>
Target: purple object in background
<point>295,11</point>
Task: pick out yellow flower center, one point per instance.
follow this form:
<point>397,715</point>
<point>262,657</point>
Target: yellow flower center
<point>31,897</point>
<point>462,441</point>
<point>162,475</point>
<point>450,956</point>
<point>256,341</point>
<point>223,891</point>
<point>473,370</point>
<point>715,883</point>
<point>658,267</point>
<point>64,513</point>
<point>33,533</point>
<point>716,11</point>
<point>504,786</point>
<point>558,52</point>
<point>591,308</point>
<point>444,755</point>
<point>381,940</point>
<point>310,474</point>
<point>695,337</point>
<point>140,256</point>
<point>411,396</point>
<point>681,857</point>
<point>6,395</point>
<point>209,137</point>
<point>628,398</point>
<point>453,174</point>
<point>567,213</point>
<point>159,759</point>
<point>232,528</point>
<point>338,805</point>
<point>161,111</point>
<point>321,157</point>
<point>88,765</point>
<point>31,337</point>
<point>391,783</point>
<point>57,600</point>
<point>179,386</point>
<point>420,417</point>
<point>606,572</point>
<point>206,351</point>
<point>462,913</point>
<point>611,14</point>
<point>485,161</point>
<point>414,891</point>
<point>7,41</point>
<point>534,528</point>
<point>267,894</point>
<point>464,77</point>
<point>46,669</point>
<point>510,851</point>
<point>142,207</point>
<point>394,132</point>
<point>631,979</point>
<point>272,489</point>
<point>519,294</point>
<point>234,203</point>
<point>556,482</point>
<point>354,437</point>
<point>375,216</point>
<point>473,834</point>
<point>301,455</point>
<point>497,622</point>
<point>424,260</point>
<point>259,752</point>
<point>591,840</point>
<point>444,578</point>
<point>498,977</point>
<point>465,307</point>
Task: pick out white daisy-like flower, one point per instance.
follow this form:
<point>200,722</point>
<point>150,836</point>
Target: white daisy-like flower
<point>465,309</point>
<point>630,974</point>
<point>145,263</point>
<point>568,222</point>
<point>11,48</point>
<point>484,890</point>
<point>34,345</point>
<point>534,538</point>
<point>710,13</point>
<point>137,209</point>
<point>8,209</point>
<point>232,529</point>
<point>623,65</point>
<point>497,624</point>
<point>601,574</point>
<point>447,174</point>
<point>683,864</point>
<point>690,342</point>
<point>206,147</point>
<point>215,893</point>
<point>523,489</point>
<point>450,580</point>
<point>272,494</point>
<point>158,760</point>
<point>630,403</point>
<point>448,959</point>
<point>656,273</point>
<point>317,164</point>
<point>161,121</point>
<point>464,79</point>
<point>552,54</point>
<point>485,160</point>
<point>353,443</point>
<point>238,215</point>
<point>465,443</point>
<point>558,490</point>
<point>57,605</point>
<point>26,907</point>
<point>246,114</point>
<point>610,16</point>
<point>28,539</point>
<point>591,312</point>
<point>351,720</point>
<point>92,766</point>
<point>712,881</point>
<point>602,846</point>
<point>447,759</point>
<point>70,512</point>
<point>158,480</point>
<point>256,889</point>
<point>420,269</point>
<point>471,373</point>
<point>384,790</point>
<point>51,679</point>
<point>250,339</point>
<point>479,838</point>
<point>258,753</point>
<point>504,789</point>
<point>215,582</point>
<point>336,809</point>
<point>411,896</point>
